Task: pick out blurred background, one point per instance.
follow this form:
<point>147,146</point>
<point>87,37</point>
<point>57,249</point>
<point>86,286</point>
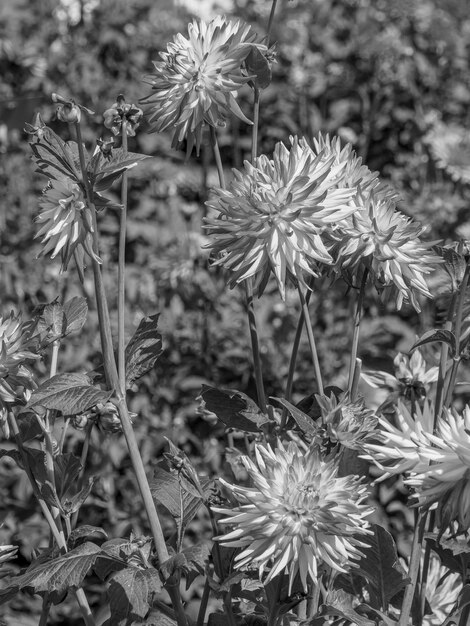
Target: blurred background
<point>392,78</point>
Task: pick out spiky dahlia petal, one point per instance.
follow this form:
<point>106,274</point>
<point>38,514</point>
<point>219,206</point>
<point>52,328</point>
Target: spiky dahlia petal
<point>297,515</point>
<point>274,214</point>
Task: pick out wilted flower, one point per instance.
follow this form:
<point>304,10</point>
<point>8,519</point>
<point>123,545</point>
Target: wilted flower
<point>121,112</point>
<point>411,380</point>
<point>274,214</point>
<point>66,221</point>
<point>297,515</point>
<point>197,80</point>
<point>343,421</point>
<point>442,476</point>
<point>16,349</point>
<point>395,449</point>
<point>388,244</point>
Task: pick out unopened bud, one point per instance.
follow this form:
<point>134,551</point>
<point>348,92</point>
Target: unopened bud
<point>80,421</point>
<point>69,113</point>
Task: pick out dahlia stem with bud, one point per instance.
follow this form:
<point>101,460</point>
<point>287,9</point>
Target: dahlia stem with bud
<point>356,331</point>
<point>218,160</point>
<point>258,370</point>
<point>122,270</point>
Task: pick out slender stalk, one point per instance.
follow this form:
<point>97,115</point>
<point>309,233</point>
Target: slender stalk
<point>312,606</point>
<point>311,340</point>
<point>254,130</point>
<point>413,569</point>
<point>54,358</point>
<point>46,607</point>
<point>218,160</point>
<point>357,325</point>
<point>112,378</point>
<point>457,332</point>
<point>258,371</point>
<point>270,22</point>
<point>443,362</point>
<point>203,606</point>
<point>81,475</point>
<point>227,596</point>
<point>122,271</point>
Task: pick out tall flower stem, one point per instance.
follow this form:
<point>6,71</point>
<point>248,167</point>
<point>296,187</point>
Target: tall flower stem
<point>457,332</point>
<point>218,160</point>
<point>254,131</point>
<point>122,270</point>
<point>270,21</point>
<point>440,390</point>
<point>311,340</point>
<point>255,345</point>
<point>81,476</point>
<point>113,381</point>
<point>415,560</point>
<point>356,331</point>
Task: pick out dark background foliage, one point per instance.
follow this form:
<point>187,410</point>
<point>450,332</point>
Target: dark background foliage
<point>391,78</point>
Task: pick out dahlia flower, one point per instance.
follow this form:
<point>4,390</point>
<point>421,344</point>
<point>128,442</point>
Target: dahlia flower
<point>442,476</point>
<point>412,377</point>
<point>66,221</point>
<point>197,80</point>
<point>274,214</point>
<point>383,240</point>
<point>15,351</point>
<point>297,515</point>
<point>442,590</point>
<point>395,449</point>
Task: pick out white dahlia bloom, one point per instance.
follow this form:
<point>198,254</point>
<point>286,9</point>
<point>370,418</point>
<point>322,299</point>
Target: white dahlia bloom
<point>197,80</point>
<point>297,515</point>
<point>274,215</point>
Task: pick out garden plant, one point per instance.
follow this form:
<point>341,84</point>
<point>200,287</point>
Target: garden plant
<point>291,522</point>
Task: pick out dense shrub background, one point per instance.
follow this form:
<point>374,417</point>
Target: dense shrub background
<point>391,77</point>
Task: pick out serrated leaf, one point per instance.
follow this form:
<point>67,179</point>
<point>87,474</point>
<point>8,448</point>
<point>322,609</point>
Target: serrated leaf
<point>109,560</point>
<point>56,575</point>
<point>111,169</point>
<point>53,317</point>
<point>84,532</point>
<point>29,427</point>
<point>130,592</point>
<point>303,421</point>
<point>437,335</point>
<point>380,567</point>
<point>454,264</point>
<point>234,408</point>
<point>68,393</point>
<point>187,475</point>
<point>66,469</point>
<point>143,349</point>
<point>56,158</point>
<point>258,68</point>
<point>75,314</point>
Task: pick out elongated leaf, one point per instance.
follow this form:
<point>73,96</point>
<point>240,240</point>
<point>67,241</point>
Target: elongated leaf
<point>130,592</point>
<point>441,335</point>
<point>56,575</point>
<point>55,158</point>
<point>234,409</point>
<point>68,393</point>
<point>75,314</point>
<point>84,532</point>
<point>303,421</point>
<point>110,170</point>
<point>381,568</point>
<point>143,349</point>
<point>258,67</point>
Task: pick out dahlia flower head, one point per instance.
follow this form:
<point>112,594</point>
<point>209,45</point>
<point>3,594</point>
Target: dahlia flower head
<point>297,515</point>
<point>66,221</point>
<point>274,215</point>
<point>381,240</point>
<point>16,350</point>
<point>436,466</point>
<point>198,78</point>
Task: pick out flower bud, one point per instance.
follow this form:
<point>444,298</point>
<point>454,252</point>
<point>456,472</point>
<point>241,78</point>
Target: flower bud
<point>80,421</point>
<point>69,112</point>
<point>108,419</point>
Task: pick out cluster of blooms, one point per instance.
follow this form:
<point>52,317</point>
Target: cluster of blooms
<point>297,515</point>
<point>16,349</point>
<point>436,466</point>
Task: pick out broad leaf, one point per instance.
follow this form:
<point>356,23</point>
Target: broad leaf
<point>86,532</point>
<point>234,409</point>
<point>143,349</point>
<point>110,170</point>
<point>56,575</point>
<point>167,489</point>
<point>439,335</point>
<point>258,68</point>
<point>130,593</point>
<point>191,562</point>
<point>55,158</point>
<point>380,567</point>
<point>75,314</point>
<point>68,393</point>
<point>303,421</point>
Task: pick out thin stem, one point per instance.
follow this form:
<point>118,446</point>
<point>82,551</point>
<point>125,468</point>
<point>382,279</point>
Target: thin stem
<point>255,345</point>
<point>443,362</point>
<point>81,475</point>
<point>203,606</point>
<point>218,160</point>
<point>293,359</point>
<point>357,325</point>
<point>311,340</point>
<point>255,128</point>
<point>312,606</point>
<point>218,560</point>
<point>46,607</point>
<point>54,358</point>
<point>122,271</point>
<point>457,333</point>
<point>413,569</point>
